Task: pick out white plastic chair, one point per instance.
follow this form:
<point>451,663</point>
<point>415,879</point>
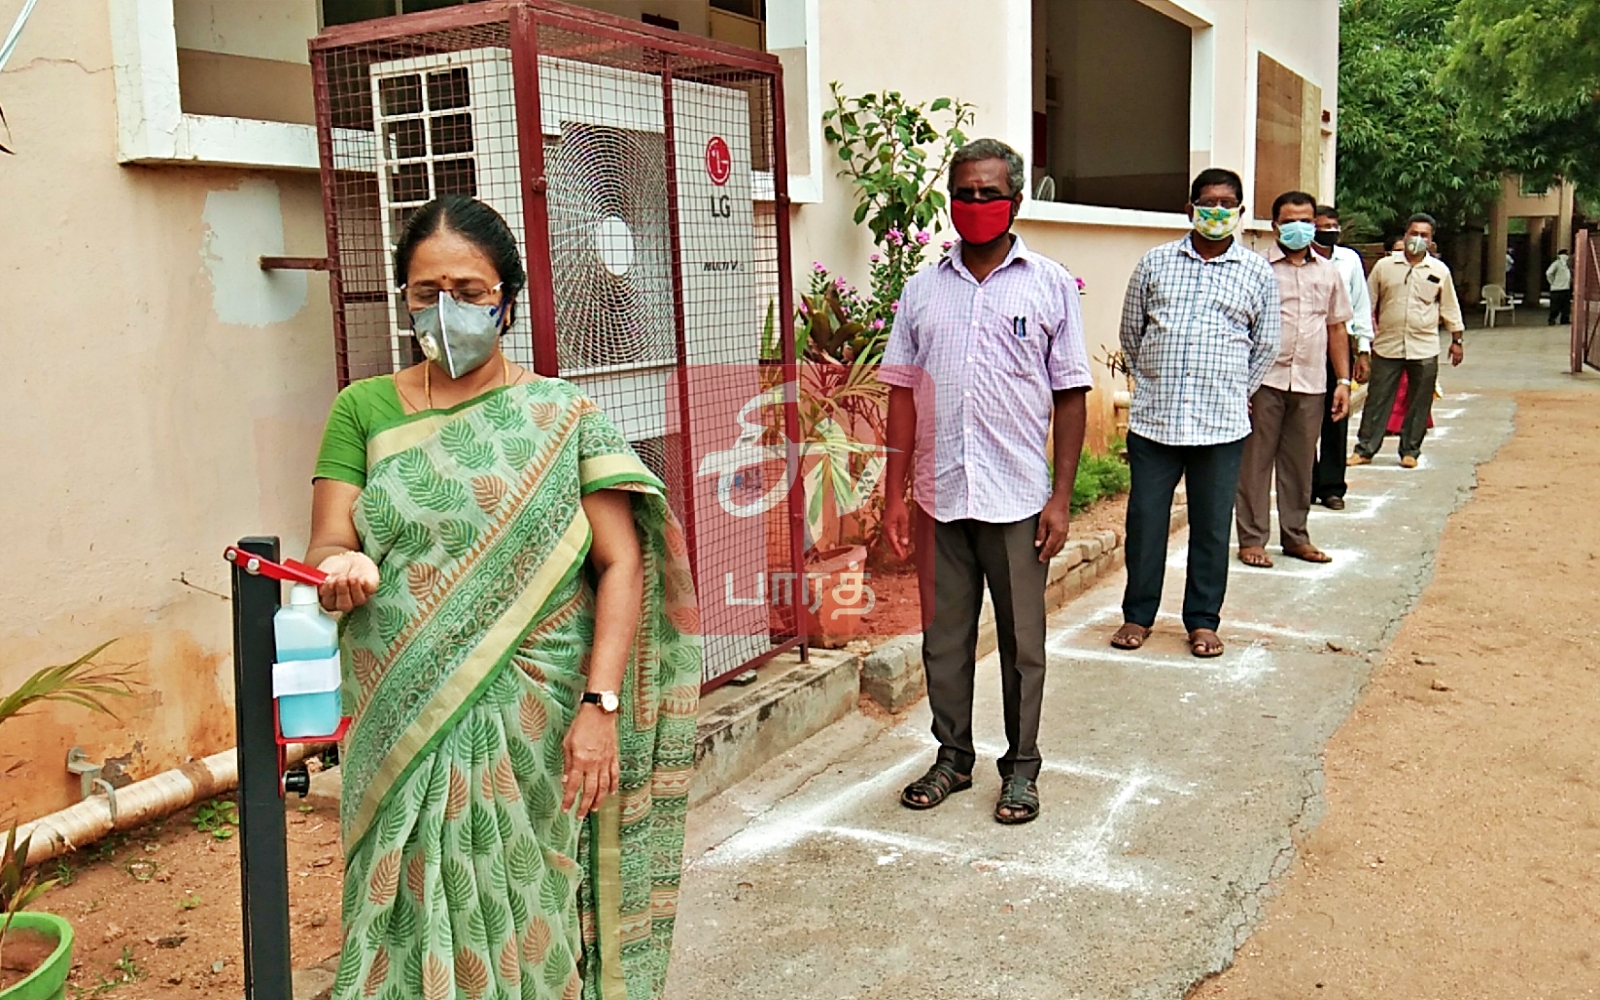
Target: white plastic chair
<point>1496,301</point>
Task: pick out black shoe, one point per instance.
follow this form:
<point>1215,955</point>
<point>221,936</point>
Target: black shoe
<point>1332,503</point>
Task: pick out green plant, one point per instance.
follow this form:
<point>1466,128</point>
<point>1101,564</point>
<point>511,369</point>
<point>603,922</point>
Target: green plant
<point>80,683</point>
<point>885,143</point>
<point>65,874</point>
<point>217,817</point>
<point>123,971</point>
<point>18,886</point>
<point>894,152</point>
<point>77,683</point>
<point>189,902</point>
<point>1100,476</point>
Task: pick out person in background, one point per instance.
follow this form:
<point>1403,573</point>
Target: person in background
<point>1559,274</point>
<point>1328,485</point>
<point>496,547</point>
<point>1200,329</point>
<point>1286,412</point>
<point>998,332</point>
<point>1413,294</point>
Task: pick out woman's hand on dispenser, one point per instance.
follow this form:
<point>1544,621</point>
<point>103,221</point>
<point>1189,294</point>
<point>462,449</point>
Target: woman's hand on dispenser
<point>352,578</point>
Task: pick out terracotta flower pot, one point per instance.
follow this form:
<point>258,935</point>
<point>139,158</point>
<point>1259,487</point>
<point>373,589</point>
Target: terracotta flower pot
<point>49,980</point>
<point>838,590</point>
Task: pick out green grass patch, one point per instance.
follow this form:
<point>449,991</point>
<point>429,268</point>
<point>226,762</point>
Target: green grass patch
<point>1100,476</point>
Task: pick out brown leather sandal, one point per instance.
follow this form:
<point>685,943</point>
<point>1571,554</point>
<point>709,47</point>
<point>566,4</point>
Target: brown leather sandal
<point>1130,636</point>
<point>941,782</point>
<point>1205,643</point>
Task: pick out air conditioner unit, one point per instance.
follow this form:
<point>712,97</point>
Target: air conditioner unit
<point>447,123</point>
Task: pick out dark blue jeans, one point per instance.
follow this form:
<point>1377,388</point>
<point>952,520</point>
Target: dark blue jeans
<point>1211,473</point>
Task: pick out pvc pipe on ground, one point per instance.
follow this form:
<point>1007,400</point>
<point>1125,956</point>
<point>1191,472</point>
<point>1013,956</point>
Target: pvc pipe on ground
<point>136,804</point>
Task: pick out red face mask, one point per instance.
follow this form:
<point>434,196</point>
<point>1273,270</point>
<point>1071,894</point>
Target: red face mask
<point>980,222</point>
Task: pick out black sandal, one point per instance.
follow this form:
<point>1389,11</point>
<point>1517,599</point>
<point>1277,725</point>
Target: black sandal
<point>941,782</point>
<point>1021,796</point>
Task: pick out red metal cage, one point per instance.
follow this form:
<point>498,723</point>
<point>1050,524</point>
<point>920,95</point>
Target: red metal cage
<point>643,173</point>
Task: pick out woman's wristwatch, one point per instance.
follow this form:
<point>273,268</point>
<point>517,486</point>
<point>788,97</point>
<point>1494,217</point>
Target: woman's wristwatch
<point>607,700</point>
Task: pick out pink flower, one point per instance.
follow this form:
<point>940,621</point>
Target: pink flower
<point>805,310</point>
<point>896,236</point>
<point>923,238</point>
<point>816,266</point>
<point>877,324</point>
<point>947,244</point>
<point>840,284</point>
<point>1080,284</point>
<point>875,258</point>
<point>894,307</point>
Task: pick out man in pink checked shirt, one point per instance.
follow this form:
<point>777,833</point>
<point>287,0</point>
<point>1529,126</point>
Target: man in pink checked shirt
<point>998,336</point>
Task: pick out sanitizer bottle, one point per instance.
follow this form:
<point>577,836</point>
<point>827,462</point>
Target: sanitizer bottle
<point>305,678</point>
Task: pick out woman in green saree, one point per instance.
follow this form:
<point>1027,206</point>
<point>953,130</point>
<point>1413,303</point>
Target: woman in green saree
<point>520,657</point>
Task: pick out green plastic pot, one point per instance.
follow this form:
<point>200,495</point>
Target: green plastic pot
<point>48,981</point>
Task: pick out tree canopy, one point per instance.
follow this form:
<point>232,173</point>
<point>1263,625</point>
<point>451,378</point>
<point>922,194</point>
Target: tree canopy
<point>1537,52</point>
<point>1405,143</point>
<point>1439,98</point>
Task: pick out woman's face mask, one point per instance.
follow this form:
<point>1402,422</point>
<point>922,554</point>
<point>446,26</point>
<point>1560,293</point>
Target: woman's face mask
<point>458,338</point>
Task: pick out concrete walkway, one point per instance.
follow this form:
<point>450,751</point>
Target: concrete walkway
<point>1171,784</point>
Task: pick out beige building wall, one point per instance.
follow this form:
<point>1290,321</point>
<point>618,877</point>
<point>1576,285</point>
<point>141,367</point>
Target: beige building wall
<point>983,53</point>
<point>166,396</point>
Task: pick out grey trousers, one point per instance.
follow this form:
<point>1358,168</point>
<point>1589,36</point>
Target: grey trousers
<point>965,555</point>
<point>1421,377</point>
<point>1284,428</point>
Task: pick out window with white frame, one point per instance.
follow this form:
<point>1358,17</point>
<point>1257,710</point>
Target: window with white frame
<point>1112,105</point>
<point>228,82</point>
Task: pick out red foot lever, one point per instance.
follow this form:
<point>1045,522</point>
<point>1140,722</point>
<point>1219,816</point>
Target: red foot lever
<point>290,569</point>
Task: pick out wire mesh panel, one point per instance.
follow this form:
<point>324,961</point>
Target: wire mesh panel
<point>637,169</point>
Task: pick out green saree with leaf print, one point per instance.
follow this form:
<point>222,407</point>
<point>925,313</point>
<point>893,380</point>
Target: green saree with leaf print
<point>464,878</point>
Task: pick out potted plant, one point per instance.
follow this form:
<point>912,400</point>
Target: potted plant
<point>35,947</point>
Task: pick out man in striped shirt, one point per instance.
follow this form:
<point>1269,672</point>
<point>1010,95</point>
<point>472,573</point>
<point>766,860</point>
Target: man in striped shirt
<point>996,332</point>
<point>1200,329</point>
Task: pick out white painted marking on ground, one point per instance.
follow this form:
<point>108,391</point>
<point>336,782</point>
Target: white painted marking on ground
<point>1343,559</point>
<point>792,821</point>
<point>1357,508</point>
<point>1059,637</point>
<point>1449,414</point>
<point>1235,666</point>
<point>1390,463</point>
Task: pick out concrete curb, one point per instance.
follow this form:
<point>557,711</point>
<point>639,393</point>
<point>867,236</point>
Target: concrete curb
<point>891,675</point>
<point>741,728</point>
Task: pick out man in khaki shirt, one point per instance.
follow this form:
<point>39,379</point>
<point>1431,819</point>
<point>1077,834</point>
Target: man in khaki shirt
<point>1412,296</point>
<point>1286,412</point>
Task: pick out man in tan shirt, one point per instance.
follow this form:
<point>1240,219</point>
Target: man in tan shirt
<point>1286,412</point>
<point>1412,296</point>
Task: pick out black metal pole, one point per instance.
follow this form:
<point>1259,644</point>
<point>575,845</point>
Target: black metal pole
<point>263,839</point>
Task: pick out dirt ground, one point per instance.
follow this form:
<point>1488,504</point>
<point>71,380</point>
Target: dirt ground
<point>1460,853</point>
<point>156,911</point>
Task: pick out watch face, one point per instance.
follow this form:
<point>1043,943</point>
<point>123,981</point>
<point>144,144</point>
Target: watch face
<point>609,701</point>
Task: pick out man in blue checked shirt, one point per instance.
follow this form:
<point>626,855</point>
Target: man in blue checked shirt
<point>987,350</point>
<point>1200,330</point>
